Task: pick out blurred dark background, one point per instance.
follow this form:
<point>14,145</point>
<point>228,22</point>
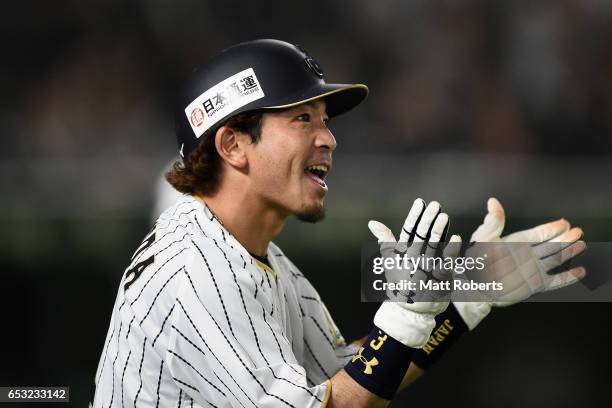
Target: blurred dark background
<point>469,99</point>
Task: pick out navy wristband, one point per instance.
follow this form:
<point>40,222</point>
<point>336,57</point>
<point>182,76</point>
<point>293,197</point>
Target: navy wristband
<point>449,328</point>
<point>380,364</point>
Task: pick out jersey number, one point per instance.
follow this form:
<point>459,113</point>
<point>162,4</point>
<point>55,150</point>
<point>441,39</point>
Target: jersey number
<point>135,271</point>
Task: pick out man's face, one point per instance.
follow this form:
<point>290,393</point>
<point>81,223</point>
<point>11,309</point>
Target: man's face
<point>289,163</point>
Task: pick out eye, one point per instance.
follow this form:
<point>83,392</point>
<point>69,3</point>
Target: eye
<point>304,117</point>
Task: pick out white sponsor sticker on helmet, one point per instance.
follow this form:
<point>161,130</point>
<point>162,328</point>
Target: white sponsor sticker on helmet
<point>222,99</point>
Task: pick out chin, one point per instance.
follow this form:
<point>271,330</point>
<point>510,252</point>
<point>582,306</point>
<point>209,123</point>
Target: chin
<point>312,215</point>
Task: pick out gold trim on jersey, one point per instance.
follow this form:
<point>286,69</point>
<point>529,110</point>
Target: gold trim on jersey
<point>265,267</point>
<point>259,263</point>
<point>197,197</point>
<point>327,394</point>
<point>201,200</point>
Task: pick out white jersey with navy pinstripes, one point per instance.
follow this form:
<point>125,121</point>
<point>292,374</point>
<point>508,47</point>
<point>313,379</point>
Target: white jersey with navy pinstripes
<point>199,322</point>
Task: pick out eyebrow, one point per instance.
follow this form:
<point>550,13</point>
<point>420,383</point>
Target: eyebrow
<point>312,105</point>
<point>309,103</point>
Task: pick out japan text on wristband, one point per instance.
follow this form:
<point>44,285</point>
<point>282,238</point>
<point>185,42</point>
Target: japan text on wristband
<point>380,364</point>
<point>449,327</point>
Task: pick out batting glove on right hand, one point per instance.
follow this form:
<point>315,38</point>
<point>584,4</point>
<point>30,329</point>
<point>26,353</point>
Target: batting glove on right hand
<point>412,323</point>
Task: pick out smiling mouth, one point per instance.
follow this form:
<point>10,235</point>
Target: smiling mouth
<point>317,173</point>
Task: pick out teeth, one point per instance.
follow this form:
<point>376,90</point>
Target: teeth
<point>318,167</point>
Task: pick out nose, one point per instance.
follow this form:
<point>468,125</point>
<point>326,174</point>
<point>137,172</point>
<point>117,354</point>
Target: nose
<point>325,138</point>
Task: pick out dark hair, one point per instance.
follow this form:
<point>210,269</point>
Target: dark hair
<point>200,170</point>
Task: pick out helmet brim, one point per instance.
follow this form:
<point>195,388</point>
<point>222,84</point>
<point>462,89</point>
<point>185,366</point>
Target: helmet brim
<point>339,98</point>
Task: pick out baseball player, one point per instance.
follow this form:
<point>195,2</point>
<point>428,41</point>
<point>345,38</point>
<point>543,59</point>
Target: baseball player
<point>210,312</point>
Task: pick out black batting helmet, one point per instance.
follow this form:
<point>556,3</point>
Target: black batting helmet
<point>255,75</point>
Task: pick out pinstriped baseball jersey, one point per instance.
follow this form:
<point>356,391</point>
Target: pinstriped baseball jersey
<point>199,322</point>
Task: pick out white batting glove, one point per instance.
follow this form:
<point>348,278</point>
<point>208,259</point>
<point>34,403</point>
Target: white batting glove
<point>412,323</point>
<point>522,268</point>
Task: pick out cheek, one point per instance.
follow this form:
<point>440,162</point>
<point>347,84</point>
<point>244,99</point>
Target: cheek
<point>272,168</point>
<point>278,164</point>
<point>279,159</point>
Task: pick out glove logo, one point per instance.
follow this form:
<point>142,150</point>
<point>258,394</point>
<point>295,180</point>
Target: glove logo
<point>368,363</point>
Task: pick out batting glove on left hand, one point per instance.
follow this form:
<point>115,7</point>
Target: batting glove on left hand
<point>523,266</point>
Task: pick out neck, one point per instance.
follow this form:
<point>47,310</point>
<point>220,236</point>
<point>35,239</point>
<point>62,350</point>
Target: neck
<point>251,221</point>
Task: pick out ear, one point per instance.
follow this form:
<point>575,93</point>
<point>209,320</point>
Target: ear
<point>230,145</point>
